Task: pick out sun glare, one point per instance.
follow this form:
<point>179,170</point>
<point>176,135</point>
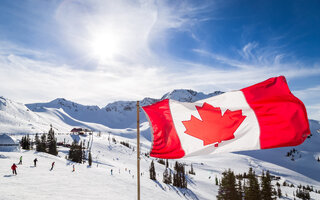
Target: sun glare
<point>104,45</point>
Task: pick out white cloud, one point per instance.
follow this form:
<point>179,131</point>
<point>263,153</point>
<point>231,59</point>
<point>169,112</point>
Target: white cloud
<point>248,48</point>
<point>311,98</point>
<point>122,32</point>
<point>131,70</point>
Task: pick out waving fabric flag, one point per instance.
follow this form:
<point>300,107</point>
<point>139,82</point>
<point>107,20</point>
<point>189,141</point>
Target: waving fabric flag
<point>262,116</point>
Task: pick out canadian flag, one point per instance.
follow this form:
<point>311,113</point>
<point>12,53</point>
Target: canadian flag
<point>262,116</point>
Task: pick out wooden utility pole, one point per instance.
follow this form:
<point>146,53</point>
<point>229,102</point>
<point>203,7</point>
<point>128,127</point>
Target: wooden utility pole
<point>138,151</point>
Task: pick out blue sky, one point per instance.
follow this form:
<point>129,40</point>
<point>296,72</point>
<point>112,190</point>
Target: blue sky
<point>96,52</point>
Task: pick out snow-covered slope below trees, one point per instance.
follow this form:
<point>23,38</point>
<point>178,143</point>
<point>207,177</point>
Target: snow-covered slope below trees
<point>118,119</point>
<point>96,182</point>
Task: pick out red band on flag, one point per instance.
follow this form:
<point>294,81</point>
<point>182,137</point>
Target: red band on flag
<point>282,117</point>
<point>166,143</point>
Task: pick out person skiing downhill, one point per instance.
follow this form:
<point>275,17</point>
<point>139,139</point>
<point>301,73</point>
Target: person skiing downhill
<point>35,162</point>
<point>14,169</point>
<point>20,162</point>
<point>52,165</point>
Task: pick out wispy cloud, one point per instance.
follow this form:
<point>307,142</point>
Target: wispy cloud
<point>132,37</point>
<point>310,96</point>
<point>124,30</point>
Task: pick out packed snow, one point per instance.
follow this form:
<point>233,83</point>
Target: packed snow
<point>97,182</point>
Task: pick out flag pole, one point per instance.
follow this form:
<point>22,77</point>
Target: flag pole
<point>138,151</point>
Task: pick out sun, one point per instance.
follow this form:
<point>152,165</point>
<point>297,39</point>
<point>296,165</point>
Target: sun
<point>104,45</point>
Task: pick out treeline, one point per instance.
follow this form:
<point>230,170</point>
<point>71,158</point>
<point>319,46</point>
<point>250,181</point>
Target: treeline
<point>176,177</point>
<point>247,187</point>
<point>47,144</point>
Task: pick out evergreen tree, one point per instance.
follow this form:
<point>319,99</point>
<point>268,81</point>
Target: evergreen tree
<point>25,142</point>
<point>52,142</point>
<point>303,194</point>
<point>227,188</point>
<point>183,177</point>
<point>83,152</point>
<point>252,190</point>
<point>279,192</point>
<point>167,178</point>
<point>152,171</point>
<point>217,183</point>
<point>43,143</point>
<point>80,153</point>
<point>179,179</point>
<point>90,159</point>
<point>31,144</point>
<point>37,141</point>
<point>239,189</point>
<point>266,187</point>
<point>191,170</point>
<point>28,142</point>
<point>75,152</point>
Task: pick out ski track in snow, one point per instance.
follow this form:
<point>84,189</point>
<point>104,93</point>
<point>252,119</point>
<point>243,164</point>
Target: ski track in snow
<point>96,182</point>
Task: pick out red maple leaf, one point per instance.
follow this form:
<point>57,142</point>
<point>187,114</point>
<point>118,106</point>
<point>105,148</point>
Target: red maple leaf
<point>214,127</point>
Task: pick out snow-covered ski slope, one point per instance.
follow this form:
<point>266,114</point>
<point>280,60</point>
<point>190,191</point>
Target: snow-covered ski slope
<point>96,182</point>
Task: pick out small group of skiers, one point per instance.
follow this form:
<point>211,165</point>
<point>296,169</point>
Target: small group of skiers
<point>14,166</point>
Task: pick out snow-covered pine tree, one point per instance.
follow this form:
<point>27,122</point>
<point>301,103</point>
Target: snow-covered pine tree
<point>179,179</point>
<point>252,190</point>
<point>52,142</point>
<point>152,171</point>
<point>192,171</point>
<point>43,143</point>
<point>167,179</point>
<point>37,141</point>
<point>75,152</point>
<point>90,159</point>
<point>25,142</point>
<point>227,188</point>
<point>28,142</point>
<point>83,153</point>
<point>303,194</point>
<point>239,189</point>
<point>266,187</point>
<point>279,192</point>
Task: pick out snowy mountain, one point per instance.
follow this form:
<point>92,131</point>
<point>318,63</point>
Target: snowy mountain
<point>293,165</point>
<point>188,95</point>
<point>119,114</point>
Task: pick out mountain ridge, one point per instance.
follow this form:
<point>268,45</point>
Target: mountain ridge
<point>65,114</point>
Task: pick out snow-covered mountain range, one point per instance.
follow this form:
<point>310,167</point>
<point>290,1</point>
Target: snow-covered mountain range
<point>63,114</point>
<point>118,119</point>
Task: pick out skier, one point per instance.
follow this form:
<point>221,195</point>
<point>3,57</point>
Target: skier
<point>20,162</point>
<point>73,169</point>
<point>111,171</point>
<point>52,165</point>
<point>14,169</point>
<point>35,162</point>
